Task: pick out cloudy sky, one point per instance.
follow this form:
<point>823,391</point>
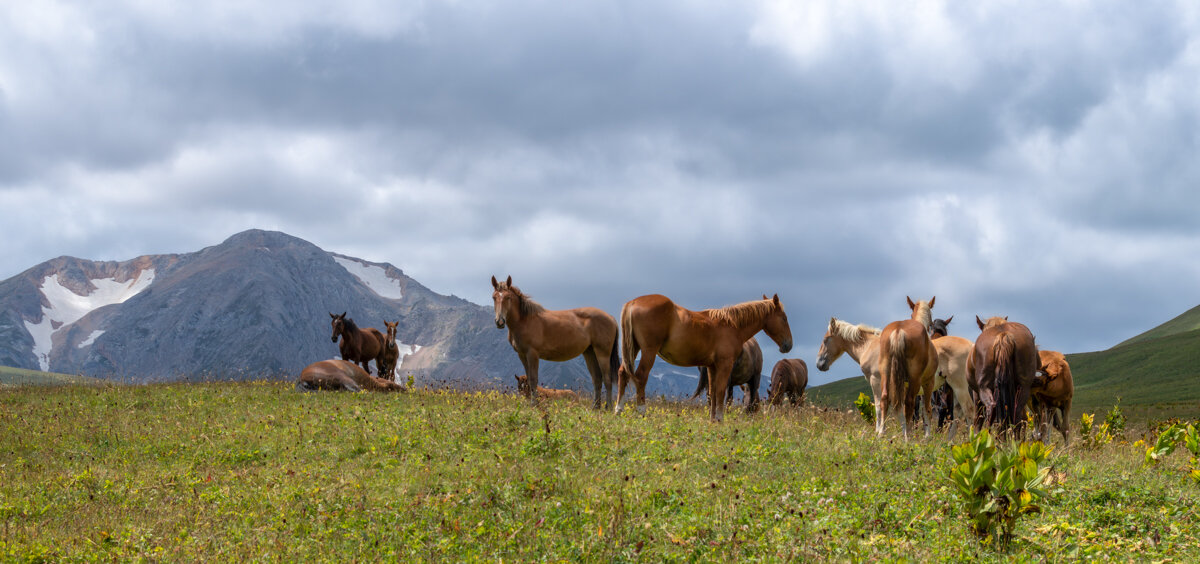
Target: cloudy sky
<point>1039,160</point>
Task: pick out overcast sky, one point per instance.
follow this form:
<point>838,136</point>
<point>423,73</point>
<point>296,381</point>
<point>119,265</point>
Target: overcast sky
<point>1039,160</point>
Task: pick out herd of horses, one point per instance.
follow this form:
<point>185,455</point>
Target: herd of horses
<point>991,381</point>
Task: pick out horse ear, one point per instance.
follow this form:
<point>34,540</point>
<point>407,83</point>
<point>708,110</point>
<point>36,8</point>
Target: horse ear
<point>343,315</point>
<point>765,297</point>
<point>931,300</point>
<point>1006,318</point>
<point>979,322</point>
<point>948,319</point>
<point>911,305</point>
<point>776,300</point>
<point>509,282</point>
<point>495,284</point>
<point>832,323</point>
<point>332,315</point>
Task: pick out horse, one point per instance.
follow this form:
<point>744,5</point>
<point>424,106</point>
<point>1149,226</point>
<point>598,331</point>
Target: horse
<point>358,345</point>
<point>789,378</point>
<point>342,375</point>
<point>1051,395</point>
<point>1005,361</point>
<point>953,354</point>
<point>861,342</point>
<point>536,333</point>
<point>943,404</point>
<point>907,364</point>
<point>545,393</point>
<point>386,362</point>
<point>746,372</point>
<point>713,338</point>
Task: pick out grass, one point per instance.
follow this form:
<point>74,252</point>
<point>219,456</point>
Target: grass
<point>258,472</point>
<point>10,377</point>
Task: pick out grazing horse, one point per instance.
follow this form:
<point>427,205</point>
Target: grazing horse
<point>1051,393</point>
<point>1005,361</point>
<point>544,393</point>
<point>907,364</point>
<point>712,338</point>
<point>747,372</point>
<point>536,333</point>
<point>358,345</point>
<point>386,363</point>
<point>789,378</point>
<point>861,342</point>
<point>342,375</point>
<point>953,354</point>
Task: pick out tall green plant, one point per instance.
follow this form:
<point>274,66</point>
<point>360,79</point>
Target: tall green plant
<point>998,485</point>
<point>866,407</point>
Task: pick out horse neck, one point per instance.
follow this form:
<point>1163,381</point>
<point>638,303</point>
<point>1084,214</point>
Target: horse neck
<point>856,350</point>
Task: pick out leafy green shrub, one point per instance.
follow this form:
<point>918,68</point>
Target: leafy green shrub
<point>1167,440</point>
<point>998,485</point>
<point>866,407</point>
<point>1115,420</point>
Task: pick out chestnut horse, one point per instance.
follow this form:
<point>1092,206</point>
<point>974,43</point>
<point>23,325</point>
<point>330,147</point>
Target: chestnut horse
<point>544,393</point>
<point>789,378</point>
<point>1005,361</point>
<point>358,345</point>
<point>1051,394</point>
<point>953,353</point>
<point>861,342</point>
<point>386,363</point>
<point>907,364</point>
<point>747,372</point>
<point>536,333</point>
<point>342,375</point>
<point>654,326</point>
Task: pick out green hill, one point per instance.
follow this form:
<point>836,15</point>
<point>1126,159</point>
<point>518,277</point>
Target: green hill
<point>1189,321</point>
<point>10,377</point>
<point>839,394</point>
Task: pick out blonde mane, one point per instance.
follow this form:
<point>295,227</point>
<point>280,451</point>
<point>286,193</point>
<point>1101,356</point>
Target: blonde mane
<point>923,314</point>
<point>993,321</point>
<point>853,333</point>
<point>743,313</point>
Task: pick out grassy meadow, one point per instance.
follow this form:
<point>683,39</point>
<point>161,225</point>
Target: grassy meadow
<point>258,472</point>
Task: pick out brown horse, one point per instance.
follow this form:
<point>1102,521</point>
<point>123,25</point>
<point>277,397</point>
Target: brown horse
<point>712,338</point>
<point>386,363</point>
<point>907,364</point>
<point>788,378</point>
<point>341,375</point>
<point>1005,361</point>
<point>358,345</point>
<point>544,393</point>
<point>1051,394</point>
<point>537,333</point>
<point>861,342</point>
<point>746,372</point>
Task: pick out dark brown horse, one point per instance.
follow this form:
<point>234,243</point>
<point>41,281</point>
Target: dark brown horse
<point>789,378</point>
<point>386,363</point>
<point>1051,395</point>
<point>537,333</point>
<point>358,345</point>
<point>907,364</point>
<point>747,372</point>
<point>544,393</point>
<point>654,326</point>
<point>341,375</point>
<point>1005,361</point>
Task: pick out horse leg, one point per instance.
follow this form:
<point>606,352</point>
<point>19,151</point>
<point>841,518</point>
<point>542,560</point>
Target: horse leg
<point>752,389</point>
<point>718,383</point>
<point>589,356</point>
<point>1065,427</point>
<point>531,373</point>
<point>641,376</point>
<point>622,379</point>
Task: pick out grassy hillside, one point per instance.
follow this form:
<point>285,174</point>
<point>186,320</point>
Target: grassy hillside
<point>20,377</point>
<point>839,394</point>
<point>258,472</point>
<point>1189,321</point>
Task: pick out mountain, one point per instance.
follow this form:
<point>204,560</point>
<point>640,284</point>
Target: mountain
<point>1188,321</point>
<point>256,305</point>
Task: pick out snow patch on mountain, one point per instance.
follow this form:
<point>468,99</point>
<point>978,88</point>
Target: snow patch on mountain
<point>67,307</point>
<point>91,339</point>
<point>375,277</point>
<point>405,352</point>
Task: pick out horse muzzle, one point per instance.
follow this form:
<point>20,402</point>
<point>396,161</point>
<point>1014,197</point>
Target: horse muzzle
<point>500,323</point>
<point>333,339</point>
<point>823,363</point>
<point>784,348</point>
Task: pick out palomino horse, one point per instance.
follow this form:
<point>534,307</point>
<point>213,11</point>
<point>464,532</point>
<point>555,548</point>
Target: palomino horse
<point>907,362</point>
<point>544,393</point>
<point>1005,361</point>
<point>537,333</point>
<point>358,345</point>
<point>747,372</point>
<point>712,338</point>
<point>386,363</point>
<point>341,375</point>
<point>952,353</point>
<point>789,378</point>
<point>1051,393</point>
<point>861,342</point>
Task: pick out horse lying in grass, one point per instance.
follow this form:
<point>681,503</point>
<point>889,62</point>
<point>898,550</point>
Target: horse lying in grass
<point>747,373</point>
<point>342,375</point>
<point>544,393</point>
<point>1051,395</point>
<point>789,378</point>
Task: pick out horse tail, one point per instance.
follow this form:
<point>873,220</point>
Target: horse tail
<point>702,384</point>
<point>897,373</point>
<point>628,340</point>
<point>614,357</point>
<point>1004,354</point>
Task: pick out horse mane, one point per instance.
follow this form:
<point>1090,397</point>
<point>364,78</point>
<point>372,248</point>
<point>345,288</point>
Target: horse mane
<point>740,314</point>
<point>854,333</point>
<point>349,324</point>
<point>527,305</point>
<point>923,314</point>
<point>994,321</point>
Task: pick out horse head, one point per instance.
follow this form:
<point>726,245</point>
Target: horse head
<point>831,346</point>
<point>504,299</point>
<point>940,326</point>
<point>921,311</point>
<point>776,325</point>
<point>339,325</point>
<point>522,384</point>
<point>390,341</point>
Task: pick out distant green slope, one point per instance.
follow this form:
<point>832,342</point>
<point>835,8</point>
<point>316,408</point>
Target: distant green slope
<point>10,377</point>
<point>840,394</point>
<point>1189,321</point>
